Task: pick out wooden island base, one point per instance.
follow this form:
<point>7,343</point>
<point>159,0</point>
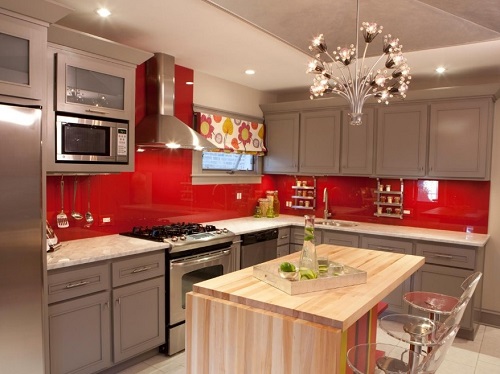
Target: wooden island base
<point>236,324</point>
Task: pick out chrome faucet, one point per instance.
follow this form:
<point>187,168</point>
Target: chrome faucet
<point>326,213</point>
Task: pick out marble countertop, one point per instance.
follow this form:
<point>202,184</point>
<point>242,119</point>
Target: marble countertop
<point>249,224</point>
<point>81,251</point>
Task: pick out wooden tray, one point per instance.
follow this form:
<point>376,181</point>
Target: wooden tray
<point>268,272</point>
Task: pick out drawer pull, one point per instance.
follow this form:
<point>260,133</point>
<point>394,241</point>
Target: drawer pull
<point>284,237</point>
<point>387,249</point>
<point>448,257</point>
<point>96,111</point>
<point>77,284</point>
<point>141,269</point>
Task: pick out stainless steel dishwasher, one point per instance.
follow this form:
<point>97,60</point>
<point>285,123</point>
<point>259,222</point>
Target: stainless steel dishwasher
<point>258,247</point>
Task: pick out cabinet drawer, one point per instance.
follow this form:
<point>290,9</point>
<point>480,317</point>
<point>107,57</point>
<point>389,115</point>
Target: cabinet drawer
<point>387,245</point>
<point>74,283</point>
<point>448,255</point>
<point>283,235</point>
<point>137,269</point>
<point>340,238</point>
<point>297,235</point>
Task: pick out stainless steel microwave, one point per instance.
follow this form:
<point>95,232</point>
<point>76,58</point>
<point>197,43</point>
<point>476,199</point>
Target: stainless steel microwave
<point>88,140</point>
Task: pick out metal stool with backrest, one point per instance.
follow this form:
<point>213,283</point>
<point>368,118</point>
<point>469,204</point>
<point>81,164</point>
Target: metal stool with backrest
<point>391,359</point>
<point>437,304</point>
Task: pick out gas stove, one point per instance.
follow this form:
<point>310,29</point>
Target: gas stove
<point>183,236</point>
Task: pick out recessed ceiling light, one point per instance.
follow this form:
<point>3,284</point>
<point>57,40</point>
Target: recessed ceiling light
<point>103,12</point>
<point>440,69</point>
<point>249,72</point>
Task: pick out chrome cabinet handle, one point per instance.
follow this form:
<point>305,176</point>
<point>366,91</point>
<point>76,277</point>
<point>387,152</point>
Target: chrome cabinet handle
<point>448,257</point>
<point>141,269</point>
<point>96,111</point>
<point>284,237</point>
<point>388,249</point>
<point>200,259</point>
<point>77,284</point>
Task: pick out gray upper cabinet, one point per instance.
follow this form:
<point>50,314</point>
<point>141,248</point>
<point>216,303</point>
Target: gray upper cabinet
<point>320,142</point>
<point>402,140</point>
<point>21,67</point>
<point>357,145</point>
<point>282,142</point>
<point>460,139</point>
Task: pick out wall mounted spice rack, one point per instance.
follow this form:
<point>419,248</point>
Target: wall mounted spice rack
<point>304,194</point>
<point>389,202</point>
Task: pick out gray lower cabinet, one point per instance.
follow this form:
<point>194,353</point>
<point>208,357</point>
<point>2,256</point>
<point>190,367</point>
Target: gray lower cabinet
<point>395,298</point>
<point>283,242</point>
<point>460,139</point>
<point>402,140</point>
<point>446,267</point>
<point>340,238</point>
<point>80,335</point>
<point>104,313</point>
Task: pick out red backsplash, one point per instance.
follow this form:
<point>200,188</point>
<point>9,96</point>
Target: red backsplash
<point>160,191</point>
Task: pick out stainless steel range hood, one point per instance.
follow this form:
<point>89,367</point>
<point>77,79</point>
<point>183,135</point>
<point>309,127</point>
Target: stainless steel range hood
<point>160,129</point>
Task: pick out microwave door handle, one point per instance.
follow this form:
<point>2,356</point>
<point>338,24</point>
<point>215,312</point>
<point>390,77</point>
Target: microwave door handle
<point>114,139</point>
<point>200,260</point>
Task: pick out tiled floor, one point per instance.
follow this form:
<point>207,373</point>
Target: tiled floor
<point>482,356</point>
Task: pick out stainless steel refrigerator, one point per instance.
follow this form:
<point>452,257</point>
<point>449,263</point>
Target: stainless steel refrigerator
<point>21,231</point>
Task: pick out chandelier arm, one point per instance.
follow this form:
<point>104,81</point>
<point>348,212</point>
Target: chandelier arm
<point>375,64</point>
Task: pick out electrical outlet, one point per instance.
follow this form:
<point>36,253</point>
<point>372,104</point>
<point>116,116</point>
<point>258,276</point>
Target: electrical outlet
<point>106,220</point>
<point>238,195</point>
<point>406,211</point>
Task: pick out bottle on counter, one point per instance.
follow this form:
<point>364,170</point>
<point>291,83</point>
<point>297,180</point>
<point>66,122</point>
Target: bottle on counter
<point>257,212</point>
<point>270,211</point>
<point>308,261</point>
<point>276,204</point>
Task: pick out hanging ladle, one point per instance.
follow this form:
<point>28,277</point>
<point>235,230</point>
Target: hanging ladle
<point>88,215</point>
<point>75,214</point>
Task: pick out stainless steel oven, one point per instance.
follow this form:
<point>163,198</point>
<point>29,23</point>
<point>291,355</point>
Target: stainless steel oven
<point>185,271</point>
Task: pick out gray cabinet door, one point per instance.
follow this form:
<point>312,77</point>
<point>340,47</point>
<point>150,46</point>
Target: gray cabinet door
<point>282,143</point>
<point>357,145</point>
<point>402,140</point>
<point>395,298</point>
<point>460,139</point>
<point>340,238</point>
<point>80,335</point>
<point>138,318</point>
<point>320,142</point>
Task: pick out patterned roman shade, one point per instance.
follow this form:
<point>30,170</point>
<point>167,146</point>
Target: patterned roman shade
<point>232,135</point>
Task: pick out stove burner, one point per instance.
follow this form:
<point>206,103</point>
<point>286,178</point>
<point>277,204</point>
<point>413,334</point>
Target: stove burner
<point>174,232</point>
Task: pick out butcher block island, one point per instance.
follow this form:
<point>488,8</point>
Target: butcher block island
<point>239,324</point>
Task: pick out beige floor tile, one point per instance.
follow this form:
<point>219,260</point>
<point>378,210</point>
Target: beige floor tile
<point>487,368</point>
<point>141,368</point>
<point>450,367</point>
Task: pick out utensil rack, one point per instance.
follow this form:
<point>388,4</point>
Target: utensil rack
<point>383,194</point>
<point>304,195</point>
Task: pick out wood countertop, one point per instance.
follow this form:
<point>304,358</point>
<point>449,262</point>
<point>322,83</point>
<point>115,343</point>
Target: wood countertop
<point>340,307</point>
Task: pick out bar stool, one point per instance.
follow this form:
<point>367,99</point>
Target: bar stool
<point>438,305</point>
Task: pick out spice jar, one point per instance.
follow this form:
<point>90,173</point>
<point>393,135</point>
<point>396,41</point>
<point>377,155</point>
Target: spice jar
<point>389,199</point>
<point>276,204</point>
<point>397,199</point>
<point>387,187</point>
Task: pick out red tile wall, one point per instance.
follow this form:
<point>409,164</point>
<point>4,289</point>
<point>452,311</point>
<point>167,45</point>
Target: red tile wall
<point>160,191</point>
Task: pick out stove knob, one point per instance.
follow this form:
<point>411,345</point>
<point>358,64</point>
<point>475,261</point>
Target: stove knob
<point>174,238</point>
<point>183,237</point>
<point>218,232</point>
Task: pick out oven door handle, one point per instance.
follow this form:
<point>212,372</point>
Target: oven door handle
<point>199,260</point>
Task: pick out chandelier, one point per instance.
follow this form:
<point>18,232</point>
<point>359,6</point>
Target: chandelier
<point>335,73</point>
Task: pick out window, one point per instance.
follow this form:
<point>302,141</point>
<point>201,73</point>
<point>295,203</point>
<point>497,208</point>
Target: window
<point>225,168</point>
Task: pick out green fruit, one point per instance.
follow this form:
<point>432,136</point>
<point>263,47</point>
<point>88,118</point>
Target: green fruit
<point>306,273</point>
<point>287,267</point>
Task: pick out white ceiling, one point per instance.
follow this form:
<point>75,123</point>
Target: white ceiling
<point>223,38</point>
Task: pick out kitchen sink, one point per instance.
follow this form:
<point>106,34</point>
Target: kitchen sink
<point>337,223</point>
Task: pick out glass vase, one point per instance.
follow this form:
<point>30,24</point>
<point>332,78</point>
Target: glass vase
<point>308,260</point>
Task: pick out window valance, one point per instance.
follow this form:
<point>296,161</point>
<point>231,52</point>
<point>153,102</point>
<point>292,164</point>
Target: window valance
<point>232,135</point>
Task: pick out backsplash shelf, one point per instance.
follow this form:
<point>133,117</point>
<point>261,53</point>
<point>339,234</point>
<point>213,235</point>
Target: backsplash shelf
<point>304,195</point>
<point>389,202</point>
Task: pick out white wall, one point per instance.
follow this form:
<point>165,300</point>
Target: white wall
<point>217,93</point>
<point>491,294</point>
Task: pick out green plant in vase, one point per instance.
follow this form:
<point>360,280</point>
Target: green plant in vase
<point>308,265</point>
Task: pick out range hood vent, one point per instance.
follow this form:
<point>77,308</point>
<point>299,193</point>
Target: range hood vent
<point>160,129</point>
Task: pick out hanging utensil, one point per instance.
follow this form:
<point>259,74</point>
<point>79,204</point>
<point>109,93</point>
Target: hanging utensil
<point>62,218</point>
<point>75,214</point>
<point>88,215</point>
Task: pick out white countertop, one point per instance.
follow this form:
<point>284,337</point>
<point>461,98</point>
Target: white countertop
<point>81,251</point>
<point>248,224</point>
